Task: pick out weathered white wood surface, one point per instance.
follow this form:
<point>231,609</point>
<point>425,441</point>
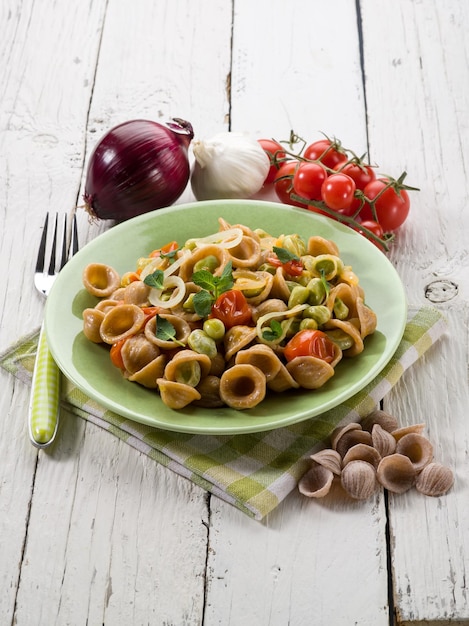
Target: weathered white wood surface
<point>93,532</point>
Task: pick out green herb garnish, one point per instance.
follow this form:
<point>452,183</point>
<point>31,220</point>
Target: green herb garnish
<point>324,282</point>
<point>272,332</point>
<point>155,280</point>
<point>166,331</point>
<point>211,287</point>
<point>170,256</point>
<point>284,256</point>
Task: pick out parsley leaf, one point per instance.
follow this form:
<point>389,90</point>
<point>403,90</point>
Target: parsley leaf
<point>272,332</point>
<point>211,287</point>
<point>202,302</point>
<point>170,256</point>
<point>155,280</point>
<point>165,330</point>
<point>284,255</point>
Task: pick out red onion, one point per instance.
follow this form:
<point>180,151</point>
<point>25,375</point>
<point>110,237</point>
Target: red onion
<point>138,166</point>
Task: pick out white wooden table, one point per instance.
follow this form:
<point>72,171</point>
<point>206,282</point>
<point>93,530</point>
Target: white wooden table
<point>92,532</point>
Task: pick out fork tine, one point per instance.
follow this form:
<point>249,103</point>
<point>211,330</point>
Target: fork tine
<point>74,241</point>
<point>53,252</point>
<point>42,247</point>
<point>64,258</point>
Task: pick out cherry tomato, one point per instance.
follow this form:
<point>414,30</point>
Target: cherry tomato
<point>232,308</point>
<point>166,249</point>
<point>337,191</point>
<point>375,228</point>
<point>361,174</point>
<point>392,207</point>
<point>116,354</point>
<point>308,180</point>
<point>292,268</point>
<point>327,152</point>
<point>309,342</point>
<point>275,152</point>
<point>283,183</point>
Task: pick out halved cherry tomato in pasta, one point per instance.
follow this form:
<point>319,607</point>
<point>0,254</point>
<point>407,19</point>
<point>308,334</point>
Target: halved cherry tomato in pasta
<point>309,342</point>
<point>232,308</point>
<point>292,268</point>
<point>166,249</point>
<point>116,354</point>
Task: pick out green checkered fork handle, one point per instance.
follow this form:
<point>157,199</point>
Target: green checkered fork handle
<point>45,391</point>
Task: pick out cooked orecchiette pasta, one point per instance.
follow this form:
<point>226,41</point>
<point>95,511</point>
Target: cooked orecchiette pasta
<point>231,317</point>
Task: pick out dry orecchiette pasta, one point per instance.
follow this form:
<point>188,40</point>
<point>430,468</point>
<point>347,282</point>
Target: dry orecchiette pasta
<point>231,317</point>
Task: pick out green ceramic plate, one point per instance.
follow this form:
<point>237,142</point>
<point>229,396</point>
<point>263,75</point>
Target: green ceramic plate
<point>89,367</point>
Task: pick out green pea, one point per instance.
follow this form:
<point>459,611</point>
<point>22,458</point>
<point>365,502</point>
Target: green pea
<point>188,373</point>
<point>200,342</point>
<point>317,291</point>
<point>298,295</point>
<point>308,324</point>
<point>214,328</point>
<point>341,310</point>
<point>319,313</point>
<point>209,263</point>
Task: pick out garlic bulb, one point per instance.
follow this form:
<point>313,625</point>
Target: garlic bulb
<point>230,165</point>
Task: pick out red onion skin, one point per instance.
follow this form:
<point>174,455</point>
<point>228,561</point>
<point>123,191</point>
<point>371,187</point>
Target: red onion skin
<point>137,167</point>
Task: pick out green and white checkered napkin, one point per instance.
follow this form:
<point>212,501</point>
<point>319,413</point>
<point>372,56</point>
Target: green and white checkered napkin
<point>256,471</point>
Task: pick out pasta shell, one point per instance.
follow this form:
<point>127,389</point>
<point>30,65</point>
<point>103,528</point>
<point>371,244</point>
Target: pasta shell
<point>382,440</point>
<point>385,420</point>
<point>418,448</point>
<point>257,283</point>
<point>282,381</point>
<point>362,452</point>
<point>396,473</point>
<point>137,293</point>
<point>209,389</point>
<point>358,478</point>
<point>367,317</point>
<point>263,357</point>
<point>106,305</point>
<point>246,254</point>
<point>279,286</point>
<point>310,372</point>
<point>347,294</point>
<point>100,280</point>
<point>316,482</point>
<point>242,386</point>
<point>92,320</point>
<point>318,245</point>
<point>120,322</point>
<point>176,395</point>
<point>351,330</point>
<point>272,305</point>
<point>434,480</point>
<point>405,430</point>
<point>329,459</point>
<point>188,365</point>
<point>137,352</point>
<point>236,338</point>
<point>187,267</point>
<point>183,330</point>
<point>349,436</point>
<point>148,375</point>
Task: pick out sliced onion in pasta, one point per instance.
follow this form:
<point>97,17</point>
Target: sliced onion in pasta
<point>229,238</point>
<point>278,315</point>
<point>177,295</point>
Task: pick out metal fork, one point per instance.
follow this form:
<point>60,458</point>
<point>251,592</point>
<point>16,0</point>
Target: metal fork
<point>44,400</point>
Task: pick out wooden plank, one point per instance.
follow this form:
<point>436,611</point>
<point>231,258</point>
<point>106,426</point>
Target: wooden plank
<point>297,559</point>
<point>103,518</point>
<point>417,101</point>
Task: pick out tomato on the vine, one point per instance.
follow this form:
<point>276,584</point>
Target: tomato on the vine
<point>275,153</point>
<point>373,227</point>
<point>361,174</point>
<point>309,342</point>
<point>283,183</point>
<point>327,152</point>
<point>392,206</point>
<point>232,308</point>
<point>308,180</point>
<point>337,191</point>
